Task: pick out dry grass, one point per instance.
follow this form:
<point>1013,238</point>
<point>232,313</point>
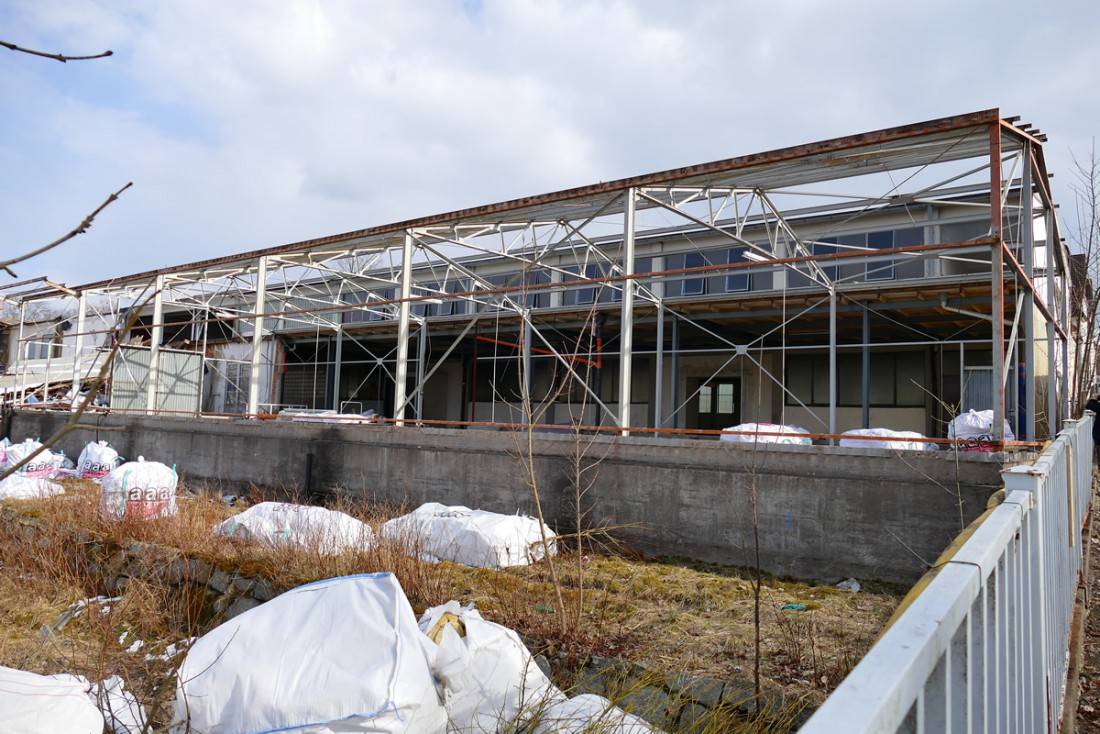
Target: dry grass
<point>675,618</point>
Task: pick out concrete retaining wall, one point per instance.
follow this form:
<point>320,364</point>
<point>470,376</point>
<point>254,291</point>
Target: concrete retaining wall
<point>824,513</point>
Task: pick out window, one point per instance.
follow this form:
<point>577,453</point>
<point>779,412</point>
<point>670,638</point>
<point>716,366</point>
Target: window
<point>382,313</point>
<point>588,295</point>
<point>897,380</point>
<point>238,377</point>
<point>737,280</point>
<point>537,297</point>
<point>694,285</point>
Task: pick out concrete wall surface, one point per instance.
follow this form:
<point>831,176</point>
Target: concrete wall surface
<point>824,513</point>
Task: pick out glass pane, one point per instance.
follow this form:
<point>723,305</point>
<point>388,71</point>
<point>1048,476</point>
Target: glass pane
<point>693,286</point>
<point>704,399</point>
<point>725,398</point>
<point>737,280</point>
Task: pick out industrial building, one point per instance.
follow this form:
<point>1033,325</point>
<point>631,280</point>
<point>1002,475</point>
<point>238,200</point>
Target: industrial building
<point>885,279</point>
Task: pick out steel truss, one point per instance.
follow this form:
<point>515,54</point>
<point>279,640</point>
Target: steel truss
<point>605,275</point>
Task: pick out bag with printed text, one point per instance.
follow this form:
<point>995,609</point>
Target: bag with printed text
<point>97,460</point>
<point>139,490</point>
<point>42,466</point>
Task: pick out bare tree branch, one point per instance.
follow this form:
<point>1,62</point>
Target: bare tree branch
<point>56,57</point>
<point>81,229</point>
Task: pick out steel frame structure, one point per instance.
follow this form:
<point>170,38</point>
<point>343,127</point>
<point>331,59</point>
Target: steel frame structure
<point>573,258</point>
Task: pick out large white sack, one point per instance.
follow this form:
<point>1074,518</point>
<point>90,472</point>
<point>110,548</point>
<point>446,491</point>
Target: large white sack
<point>121,710</point>
<point>899,440</point>
<point>490,681</point>
<point>46,704</point>
<point>139,490</point>
<point>19,487</point>
<point>469,537</point>
<point>751,433</point>
<point>44,465</point>
<point>97,460</point>
<point>317,528</point>
<point>589,714</point>
<point>973,430</point>
<point>341,655</point>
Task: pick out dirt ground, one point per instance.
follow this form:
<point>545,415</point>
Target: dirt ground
<point>1088,709</point>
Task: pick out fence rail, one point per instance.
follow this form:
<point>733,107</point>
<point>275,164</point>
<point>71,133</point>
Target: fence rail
<point>984,647</point>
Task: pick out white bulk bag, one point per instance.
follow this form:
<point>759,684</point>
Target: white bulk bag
<point>469,537</point>
<point>19,487</point>
<point>589,713</point>
<point>340,655</point>
<point>139,490</point>
<point>899,440</point>
<point>753,433</point>
<point>317,528</point>
<point>490,681</point>
<point>46,704</point>
<point>973,430</point>
<point>97,460</point>
<point>43,465</point>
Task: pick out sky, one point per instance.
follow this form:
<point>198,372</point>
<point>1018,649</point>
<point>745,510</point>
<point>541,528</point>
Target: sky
<point>251,124</point>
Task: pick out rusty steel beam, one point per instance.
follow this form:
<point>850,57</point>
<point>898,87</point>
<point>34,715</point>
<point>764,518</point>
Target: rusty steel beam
<point>834,145</point>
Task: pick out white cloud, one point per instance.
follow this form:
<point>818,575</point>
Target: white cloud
<point>253,123</point>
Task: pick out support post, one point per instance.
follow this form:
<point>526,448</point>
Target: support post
<point>866,367</point>
<point>675,372</point>
<point>21,351</point>
<point>1052,382</point>
<point>257,338</point>
<point>832,362</point>
<point>402,367</point>
<point>78,347</point>
<point>421,355</point>
<point>338,358</point>
<point>1029,297</point>
<point>997,280</point>
<point>153,381</point>
<point>626,329</point>
<point>659,371</point>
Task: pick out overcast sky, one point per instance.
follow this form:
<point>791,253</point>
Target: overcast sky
<point>249,124</point>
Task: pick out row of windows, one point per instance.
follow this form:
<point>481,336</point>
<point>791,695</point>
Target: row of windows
<point>675,285</point>
<point>897,379</point>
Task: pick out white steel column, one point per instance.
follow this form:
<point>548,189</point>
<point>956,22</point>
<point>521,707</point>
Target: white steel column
<point>626,329</point>
<point>1027,213</point>
<point>998,284</point>
<point>78,349</point>
<point>21,352</point>
<point>421,355</point>
<point>257,338</point>
<point>337,359</point>
<point>659,372</point>
<point>157,334</point>
<point>1052,380</point>
<point>832,361</point>
<point>402,369</point>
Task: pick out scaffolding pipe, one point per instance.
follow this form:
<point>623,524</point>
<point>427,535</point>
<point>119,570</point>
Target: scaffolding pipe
<point>626,328</point>
<point>154,350</point>
<point>402,368</point>
<point>421,351</point>
<point>257,338</point>
<point>675,371</point>
<point>338,360</point>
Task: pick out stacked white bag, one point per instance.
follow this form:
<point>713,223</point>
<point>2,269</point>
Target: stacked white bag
<point>490,681</point>
<point>139,490</point>
<point>973,430</point>
<point>46,704</point>
<point>42,466</point>
<point>754,433</point>
<point>897,440</point>
<point>589,713</point>
<point>469,537</point>
<point>317,528</point>
<point>341,655</point>
<point>19,487</point>
<point>97,460</point>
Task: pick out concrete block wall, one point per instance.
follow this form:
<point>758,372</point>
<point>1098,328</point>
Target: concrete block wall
<point>824,513</point>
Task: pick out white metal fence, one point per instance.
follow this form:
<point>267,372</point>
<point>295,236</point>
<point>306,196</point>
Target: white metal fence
<point>984,647</point>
